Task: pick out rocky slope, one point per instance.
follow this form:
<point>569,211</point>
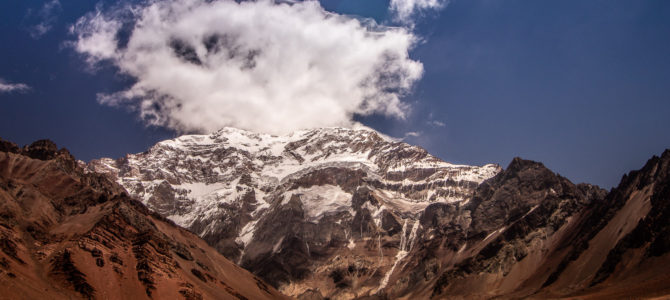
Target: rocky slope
<point>348,213</point>
<point>66,234</point>
<point>529,233</point>
<point>328,209</point>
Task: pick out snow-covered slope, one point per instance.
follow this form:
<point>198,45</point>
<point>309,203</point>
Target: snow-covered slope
<point>330,191</point>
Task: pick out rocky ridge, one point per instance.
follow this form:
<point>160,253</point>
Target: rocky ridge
<point>530,233</point>
<point>67,234</point>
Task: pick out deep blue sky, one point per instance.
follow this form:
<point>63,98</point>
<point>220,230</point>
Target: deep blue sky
<point>582,86</point>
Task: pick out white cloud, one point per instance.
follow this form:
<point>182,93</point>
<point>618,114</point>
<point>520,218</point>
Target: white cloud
<point>47,17</point>
<point>405,10</point>
<point>437,123</point>
<point>412,134</point>
<point>6,87</point>
<point>258,65</point>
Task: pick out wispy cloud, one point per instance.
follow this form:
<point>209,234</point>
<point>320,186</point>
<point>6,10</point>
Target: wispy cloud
<point>412,134</point>
<point>406,11</point>
<point>46,17</point>
<point>7,87</point>
<point>436,123</point>
<point>259,65</point>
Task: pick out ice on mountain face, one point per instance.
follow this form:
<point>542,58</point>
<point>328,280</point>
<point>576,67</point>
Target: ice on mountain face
<point>406,244</point>
<point>351,245</point>
<point>396,202</point>
<point>375,212</point>
<point>247,233</point>
<point>224,183</point>
<point>226,154</point>
<point>320,200</point>
<point>200,191</point>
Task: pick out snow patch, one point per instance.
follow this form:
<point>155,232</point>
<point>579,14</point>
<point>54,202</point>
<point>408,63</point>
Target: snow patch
<point>321,199</point>
<point>247,233</point>
<point>405,247</point>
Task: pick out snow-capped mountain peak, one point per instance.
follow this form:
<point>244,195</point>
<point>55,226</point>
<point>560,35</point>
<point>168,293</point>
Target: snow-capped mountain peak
<point>233,187</point>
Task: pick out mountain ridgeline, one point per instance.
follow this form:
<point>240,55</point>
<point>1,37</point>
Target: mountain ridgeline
<point>349,213</point>
<point>328,213</point>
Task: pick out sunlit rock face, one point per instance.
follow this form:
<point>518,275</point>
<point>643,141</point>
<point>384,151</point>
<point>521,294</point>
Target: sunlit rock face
<point>329,211</point>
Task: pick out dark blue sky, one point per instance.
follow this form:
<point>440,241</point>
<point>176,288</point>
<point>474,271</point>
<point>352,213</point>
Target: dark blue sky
<point>580,85</point>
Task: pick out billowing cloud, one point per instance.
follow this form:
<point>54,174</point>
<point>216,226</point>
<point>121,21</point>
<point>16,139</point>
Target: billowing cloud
<point>47,16</point>
<point>6,87</point>
<point>258,65</point>
<point>405,11</point>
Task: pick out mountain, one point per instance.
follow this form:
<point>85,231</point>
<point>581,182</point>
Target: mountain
<point>530,233</point>
<point>349,213</point>
<point>68,234</point>
<point>324,209</point>
<point>621,247</point>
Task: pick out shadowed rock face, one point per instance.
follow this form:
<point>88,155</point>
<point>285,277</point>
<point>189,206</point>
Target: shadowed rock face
<point>651,236</point>
<point>342,214</point>
<point>631,226</point>
<point>529,233</point>
<point>67,234</point>
<point>511,217</point>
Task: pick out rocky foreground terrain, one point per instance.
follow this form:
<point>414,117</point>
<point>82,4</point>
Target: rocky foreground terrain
<point>67,234</point>
<point>349,213</point>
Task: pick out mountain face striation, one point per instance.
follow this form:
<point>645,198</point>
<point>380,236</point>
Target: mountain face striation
<point>349,213</point>
<point>68,234</point>
<point>328,209</point>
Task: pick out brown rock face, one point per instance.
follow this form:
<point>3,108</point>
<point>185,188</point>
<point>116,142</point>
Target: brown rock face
<point>66,234</point>
<point>529,233</point>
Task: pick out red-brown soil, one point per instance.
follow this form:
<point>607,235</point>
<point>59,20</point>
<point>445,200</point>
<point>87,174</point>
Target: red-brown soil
<point>68,235</point>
